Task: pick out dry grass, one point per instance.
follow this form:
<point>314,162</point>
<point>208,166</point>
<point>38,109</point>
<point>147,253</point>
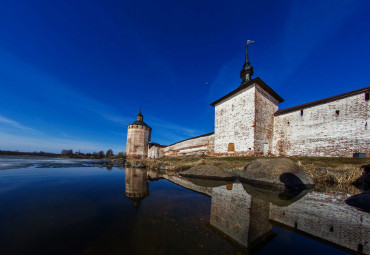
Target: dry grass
<point>331,171</point>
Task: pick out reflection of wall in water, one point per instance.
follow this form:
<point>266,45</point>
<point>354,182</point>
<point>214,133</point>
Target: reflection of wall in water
<point>238,215</point>
<point>244,218</point>
<point>137,186</point>
<point>328,217</point>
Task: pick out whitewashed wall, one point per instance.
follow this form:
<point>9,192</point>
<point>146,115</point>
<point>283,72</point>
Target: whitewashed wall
<point>320,132</point>
<point>203,145</point>
<point>154,151</point>
<point>234,122</point>
<point>266,106</point>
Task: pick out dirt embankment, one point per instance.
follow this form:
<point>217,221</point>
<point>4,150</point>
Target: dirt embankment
<point>338,171</point>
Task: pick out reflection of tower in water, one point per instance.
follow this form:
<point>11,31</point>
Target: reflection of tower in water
<point>137,187</point>
<point>240,216</point>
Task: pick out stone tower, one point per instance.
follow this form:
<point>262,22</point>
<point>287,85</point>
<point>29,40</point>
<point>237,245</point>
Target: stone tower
<point>138,138</point>
<point>244,118</point>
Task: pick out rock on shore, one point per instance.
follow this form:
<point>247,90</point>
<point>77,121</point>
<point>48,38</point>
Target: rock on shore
<point>277,172</point>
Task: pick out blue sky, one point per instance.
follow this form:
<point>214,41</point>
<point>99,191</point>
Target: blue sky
<point>73,74</point>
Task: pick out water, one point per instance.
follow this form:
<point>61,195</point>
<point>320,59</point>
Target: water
<point>10,162</point>
<point>95,210</point>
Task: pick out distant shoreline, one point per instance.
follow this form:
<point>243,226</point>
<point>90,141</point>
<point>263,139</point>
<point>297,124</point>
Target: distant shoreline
<point>76,155</point>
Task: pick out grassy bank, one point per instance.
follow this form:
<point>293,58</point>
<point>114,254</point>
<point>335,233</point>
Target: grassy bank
<point>333,171</point>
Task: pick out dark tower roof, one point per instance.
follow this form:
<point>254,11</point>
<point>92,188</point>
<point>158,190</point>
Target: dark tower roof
<point>139,120</point>
<point>142,123</point>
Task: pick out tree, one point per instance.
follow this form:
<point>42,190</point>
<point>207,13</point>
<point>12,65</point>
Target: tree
<point>101,154</point>
<point>109,153</point>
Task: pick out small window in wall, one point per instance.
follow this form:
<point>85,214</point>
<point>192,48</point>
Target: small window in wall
<point>301,112</point>
<point>337,113</point>
<point>288,123</point>
<point>367,96</point>
<point>231,147</point>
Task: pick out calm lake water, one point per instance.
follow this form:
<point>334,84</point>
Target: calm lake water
<point>74,207</point>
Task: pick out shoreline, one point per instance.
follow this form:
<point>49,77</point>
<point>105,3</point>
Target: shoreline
<point>324,171</point>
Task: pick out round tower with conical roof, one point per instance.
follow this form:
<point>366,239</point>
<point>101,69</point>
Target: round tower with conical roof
<point>138,138</point>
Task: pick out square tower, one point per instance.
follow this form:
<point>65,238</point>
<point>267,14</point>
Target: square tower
<point>244,120</point>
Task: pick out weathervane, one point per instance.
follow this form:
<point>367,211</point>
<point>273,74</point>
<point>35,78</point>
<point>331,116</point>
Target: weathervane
<point>246,51</point>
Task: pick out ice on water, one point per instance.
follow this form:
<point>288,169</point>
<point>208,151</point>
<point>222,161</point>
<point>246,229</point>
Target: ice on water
<point>10,162</point>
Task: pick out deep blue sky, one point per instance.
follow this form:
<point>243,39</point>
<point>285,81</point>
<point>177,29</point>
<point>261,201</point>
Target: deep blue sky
<point>73,74</point>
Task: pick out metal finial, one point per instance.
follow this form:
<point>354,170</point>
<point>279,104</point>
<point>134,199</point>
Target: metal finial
<point>247,71</point>
<point>246,51</point>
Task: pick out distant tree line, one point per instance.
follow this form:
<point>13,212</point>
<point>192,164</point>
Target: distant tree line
<point>35,153</point>
<point>69,154</point>
<point>95,155</point>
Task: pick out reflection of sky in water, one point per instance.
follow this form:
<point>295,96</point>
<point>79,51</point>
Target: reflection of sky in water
<point>85,210</point>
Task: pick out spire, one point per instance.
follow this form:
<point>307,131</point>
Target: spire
<point>247,71</point>
<point>139,116</point>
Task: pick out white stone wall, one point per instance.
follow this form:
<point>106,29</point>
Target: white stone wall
<point>234,122</point>
<point>154,152</point>
<point>266,106</point>
<point>320,132</point>
<point>202,145</point>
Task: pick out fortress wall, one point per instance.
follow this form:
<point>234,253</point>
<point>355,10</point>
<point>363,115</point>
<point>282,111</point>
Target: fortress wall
<point>202,145</point>
<point>138,138</point>
<point>154,151</point>
<point>321,132</point>
<point>326,216</point>
<point>235,123</point>
<point>266,106</point>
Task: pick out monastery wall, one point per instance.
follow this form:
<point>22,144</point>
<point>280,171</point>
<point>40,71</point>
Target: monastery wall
<point>336,128</point>
<point>266,106</point>
<point>201,145</point>
<point>234,124</point>
<point>155,151</point>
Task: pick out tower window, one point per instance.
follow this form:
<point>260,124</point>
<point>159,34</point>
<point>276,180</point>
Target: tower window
<point>337,113</point>
<point>301,112</point>
<point>367,96</point>
<point>288,123</point>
